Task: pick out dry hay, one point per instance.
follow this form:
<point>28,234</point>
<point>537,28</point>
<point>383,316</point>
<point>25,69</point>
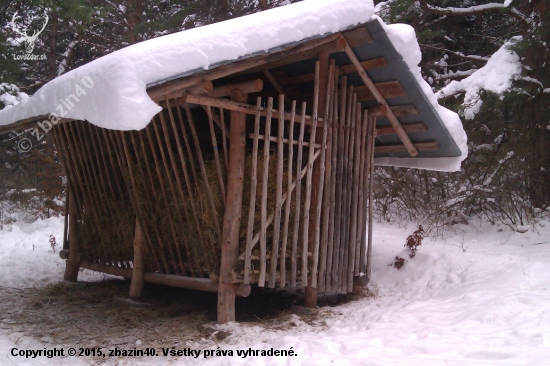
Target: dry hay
<point>170,211</point>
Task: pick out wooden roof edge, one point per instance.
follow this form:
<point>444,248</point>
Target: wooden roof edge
<point>252,62</point>
<point>28,123</point>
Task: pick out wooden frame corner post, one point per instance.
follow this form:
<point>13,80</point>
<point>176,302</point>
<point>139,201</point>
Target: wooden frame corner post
<point>233,210</point>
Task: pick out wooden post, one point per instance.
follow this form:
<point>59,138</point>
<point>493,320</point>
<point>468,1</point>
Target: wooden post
<point>311,292</point>
<point>233,209</point>
<point>71,268</point>
<point>372,121</point>
<point>136,287</point>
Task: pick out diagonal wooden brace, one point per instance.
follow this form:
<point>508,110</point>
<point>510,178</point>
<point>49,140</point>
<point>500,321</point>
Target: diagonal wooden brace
<point>344,46</point>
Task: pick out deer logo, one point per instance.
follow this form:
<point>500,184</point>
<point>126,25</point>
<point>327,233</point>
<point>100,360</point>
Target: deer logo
<point>29,40</point>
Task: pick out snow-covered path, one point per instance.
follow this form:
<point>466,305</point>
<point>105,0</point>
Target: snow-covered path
<point>487,305</point>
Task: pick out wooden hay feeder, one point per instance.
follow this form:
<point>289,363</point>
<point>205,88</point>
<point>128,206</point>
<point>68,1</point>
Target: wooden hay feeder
<point>256,172</point>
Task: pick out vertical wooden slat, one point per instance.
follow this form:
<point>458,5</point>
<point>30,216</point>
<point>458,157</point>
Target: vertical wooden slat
<point>361,219</point>
<point>322,172</point>
<point>289,193</point>
<point>355,196</point>
<point>349,183</point>
<point>175,170</point>
<point>161,146</point>
<point>63,154</point>
<point>216,152</point>
<point>265,177</point>
<point>140,216</point>
<point>313,131</point>
<point>188,181</point>
<point>371,188</point>
<point>156,200</point>
<point>253,187</point>
<point>345,214</point>
<point>336,262</point>
<point>164,194</point>
<point>153,248</point>
<point>106,144</point>
<point>278,193</point>
<point>224,138</point>
<point>138,268</point>
<point>298,207</point>
<point>369,146</point>
<point>82,170</point>
<point>326,247</point>
<point>203,170</point>
<point>189,151</point>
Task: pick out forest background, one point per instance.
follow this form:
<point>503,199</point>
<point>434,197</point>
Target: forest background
<point>465,45</point>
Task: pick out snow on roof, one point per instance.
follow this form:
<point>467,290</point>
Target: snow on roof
<point>403,38</point>
<point>118,98</point>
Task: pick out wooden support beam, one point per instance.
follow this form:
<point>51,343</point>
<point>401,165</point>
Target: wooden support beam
<point>191,283</point>
<point>358,36</point>
<point>344,45</point>
<point>275,84</point>
<point>287,55</point>
<point>409,128</point>
<point>233,209</point>
<point>247,87</point>
<point>200,88</point>
<point>229,105</point>
<point>398,110</point>
<point>389,89</point>
<point>345,70</point>
<point>421,146</point>
<point>138,269</point>
<point>71,269</point>
<point>285,141</point>
<point>310,54</point>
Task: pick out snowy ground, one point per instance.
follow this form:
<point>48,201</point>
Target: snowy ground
<point>485,305</point>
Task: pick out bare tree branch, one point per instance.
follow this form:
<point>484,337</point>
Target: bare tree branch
<point>459,54</point>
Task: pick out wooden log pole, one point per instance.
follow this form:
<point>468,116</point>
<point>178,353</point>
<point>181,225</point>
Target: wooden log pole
<point>355,198</point>
<point>282,282</point>
<point>253,187</point>
<point>216,151</point>
<point>71,268</point>
<point>138,268</point>
<point>232,216</point>
<point>371,201</point>
<point>319,246</point>
<point>362,218</point>
<point>339,185</point>
<point>278,194</point>
<point>263,208</point>
<point>311,294</point>
<point>333,165</point>
<point>298,207</point>
<point>319,101</point>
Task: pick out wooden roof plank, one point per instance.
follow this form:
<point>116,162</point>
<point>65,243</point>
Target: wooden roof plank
<point>421,146</point>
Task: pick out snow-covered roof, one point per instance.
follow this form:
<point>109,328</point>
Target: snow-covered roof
<point>118,98</point>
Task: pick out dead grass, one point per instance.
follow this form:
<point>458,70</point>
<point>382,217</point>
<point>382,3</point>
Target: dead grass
<point>98,314</point>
